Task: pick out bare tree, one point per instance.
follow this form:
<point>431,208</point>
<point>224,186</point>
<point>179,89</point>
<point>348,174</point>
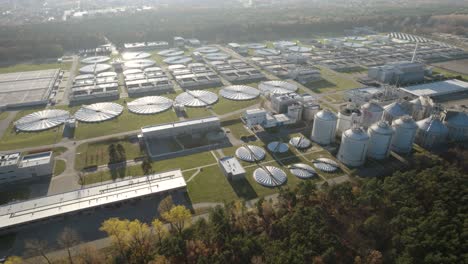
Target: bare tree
<point>90,255</point>
<point>37,247</point>
<point>67,239</point>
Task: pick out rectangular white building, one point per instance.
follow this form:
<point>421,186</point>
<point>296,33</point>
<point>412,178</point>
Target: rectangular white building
<point>231,168</point>
<point>14,166</point>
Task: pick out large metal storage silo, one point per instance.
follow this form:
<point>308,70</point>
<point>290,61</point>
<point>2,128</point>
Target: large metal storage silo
<point>371,114</point>
<point>394,111</point>
<point>324,129</point>
<point>457,123</point>
<point>353,148</point>
<point>405,132</point>
<point>309,111</point>
<point>431,132</point>
<point>346,118</point>
<point>380,134</point>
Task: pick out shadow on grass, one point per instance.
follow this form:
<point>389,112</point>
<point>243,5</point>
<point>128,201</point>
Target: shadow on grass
<point>317,85</point>
<point>118,173</point>
<point>243,189</point>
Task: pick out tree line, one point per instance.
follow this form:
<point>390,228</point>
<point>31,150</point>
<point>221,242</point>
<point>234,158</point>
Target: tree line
<point>416,216</point>
<point>52,39</point>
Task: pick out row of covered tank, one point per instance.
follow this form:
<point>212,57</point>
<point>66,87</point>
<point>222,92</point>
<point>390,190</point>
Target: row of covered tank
<point>372,131</point>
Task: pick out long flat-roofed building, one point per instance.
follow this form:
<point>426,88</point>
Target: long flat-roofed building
<point>41,209</point>
<point>438,89</point>
<point>398,73</point>
<point>14,166</point>
<point>27,88</point>
<point>189,127</point>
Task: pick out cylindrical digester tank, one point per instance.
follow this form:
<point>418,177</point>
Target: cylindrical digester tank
<point>380,134</point>
<point>457,123</point>
<point>371,114</point>
<point>324,129</point>
<point>353,148</point>
<point>404,134</point>
<point>393,111</point>
<point>309,111</point>
<point>346,118</point>
<point>431,132</point>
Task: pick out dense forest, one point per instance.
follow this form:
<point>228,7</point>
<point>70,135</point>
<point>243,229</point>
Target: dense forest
<point>36,41</point>
<point>416,216</point>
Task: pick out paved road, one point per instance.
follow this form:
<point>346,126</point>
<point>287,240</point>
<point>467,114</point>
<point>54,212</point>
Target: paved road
<point>71,76</point>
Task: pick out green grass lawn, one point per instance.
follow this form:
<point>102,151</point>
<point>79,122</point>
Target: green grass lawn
<point>235,125</point>
<point>210,185</point>
<point>35,67</point>
<point>332,81</point>
<point>96,153</point>
<point>183,163</point>
<point>448,73</point>
<point>4,115</point>
<point>125,122</point>
<point>225,106</point>
<point>59,167</point>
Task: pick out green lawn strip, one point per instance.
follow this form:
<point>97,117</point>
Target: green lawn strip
<point>225,106</point>
<point>210,185</point>
<point>332,81</point>
<point>4,115</point>
<point>193,113</point>
<point>95,154</point>
<point>59,167</point>
<point>125,122</point>
<point>448,73</point>
<point>35,67</point>
<point>236,127</point>
<point>183,163</point>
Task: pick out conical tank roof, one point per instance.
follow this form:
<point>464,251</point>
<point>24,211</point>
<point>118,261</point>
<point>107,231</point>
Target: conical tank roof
<point>395,109</point>
<point>372,107</point>
<point>326,114</point>
<point>357,134</point>
<point>432,125</point>
<point>406,122</point>
<point>382,127</point>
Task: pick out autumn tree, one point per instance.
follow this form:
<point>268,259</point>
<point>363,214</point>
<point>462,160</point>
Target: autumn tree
<point>14,260</point>
<point>177,217</point>
<point>116,229</point>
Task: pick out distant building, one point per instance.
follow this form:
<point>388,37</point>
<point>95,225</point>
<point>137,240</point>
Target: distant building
<point>193,42</point>
<point>259,116</point>
<point>398,73</point>
<point>231,168</point>
<point>179,42</point>
<point>15,167</point>
<point>305,74</point>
